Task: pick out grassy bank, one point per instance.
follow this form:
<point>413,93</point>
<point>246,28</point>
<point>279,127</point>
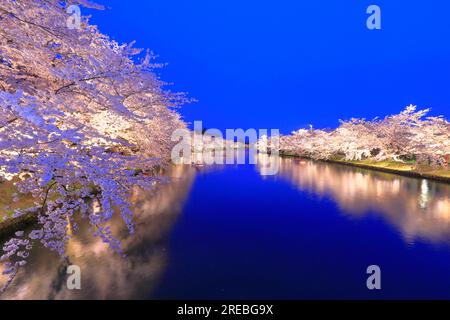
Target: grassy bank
<point>405,169</point>
<point>11,200</point>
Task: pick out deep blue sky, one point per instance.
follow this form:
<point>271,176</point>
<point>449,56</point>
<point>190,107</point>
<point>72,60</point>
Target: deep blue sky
<point>287,63</point>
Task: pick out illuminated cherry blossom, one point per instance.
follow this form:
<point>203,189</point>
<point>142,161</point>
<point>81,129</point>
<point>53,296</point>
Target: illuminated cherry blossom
<point>409,135</point>
<point>83,119</point>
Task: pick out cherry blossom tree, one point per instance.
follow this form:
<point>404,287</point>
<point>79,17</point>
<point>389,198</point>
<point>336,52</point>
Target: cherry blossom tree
<point>409,135</point>
<point>83,120</point>
<point>430,142</point>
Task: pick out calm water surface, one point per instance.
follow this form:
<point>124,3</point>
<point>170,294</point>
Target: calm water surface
<point>227,232</point>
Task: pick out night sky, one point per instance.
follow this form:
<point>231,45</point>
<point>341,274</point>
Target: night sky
<point>285,64</point>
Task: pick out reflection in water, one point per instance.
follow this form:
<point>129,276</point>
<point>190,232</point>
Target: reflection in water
<point>105,275</point>
<point>417,208</point>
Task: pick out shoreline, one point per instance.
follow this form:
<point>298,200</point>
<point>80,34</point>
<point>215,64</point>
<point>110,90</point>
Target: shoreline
<point>13,224</point>
<point>405,173</point>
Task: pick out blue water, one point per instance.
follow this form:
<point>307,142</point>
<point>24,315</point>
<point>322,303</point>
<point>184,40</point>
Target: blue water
<point>246,237</point>
<point>227,232</point>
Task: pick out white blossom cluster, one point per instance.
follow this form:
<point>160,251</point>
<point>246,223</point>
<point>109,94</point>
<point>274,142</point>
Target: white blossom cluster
<point>82,120</point>
<point>409,135</point>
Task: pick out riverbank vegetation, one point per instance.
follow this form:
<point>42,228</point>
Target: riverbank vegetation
<point>410,141</point>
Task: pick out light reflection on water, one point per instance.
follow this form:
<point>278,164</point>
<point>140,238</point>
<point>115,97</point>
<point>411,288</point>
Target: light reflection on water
<point>417,209</point>
<point>105,275</point>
